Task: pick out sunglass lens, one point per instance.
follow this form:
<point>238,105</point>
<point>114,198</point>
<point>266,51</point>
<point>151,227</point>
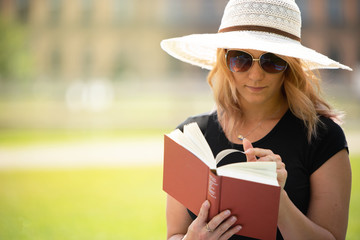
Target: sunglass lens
<point>272,63</point>
<point>238,61</point>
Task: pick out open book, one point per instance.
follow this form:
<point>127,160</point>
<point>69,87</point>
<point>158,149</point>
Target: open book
<point>249,189</point>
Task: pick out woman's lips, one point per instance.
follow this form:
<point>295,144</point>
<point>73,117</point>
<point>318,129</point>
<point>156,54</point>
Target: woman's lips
<point>255,89</point>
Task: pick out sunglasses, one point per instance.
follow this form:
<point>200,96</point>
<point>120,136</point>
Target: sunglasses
<point>240,61</point>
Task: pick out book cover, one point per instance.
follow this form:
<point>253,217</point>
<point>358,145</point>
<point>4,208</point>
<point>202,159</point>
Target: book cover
<point>191,181</point>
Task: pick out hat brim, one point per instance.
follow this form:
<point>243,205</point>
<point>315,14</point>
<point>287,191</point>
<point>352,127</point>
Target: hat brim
<point>200,49</point>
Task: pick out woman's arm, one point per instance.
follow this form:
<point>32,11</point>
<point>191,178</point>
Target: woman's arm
<point>327,217</point>
<point>177,218</point>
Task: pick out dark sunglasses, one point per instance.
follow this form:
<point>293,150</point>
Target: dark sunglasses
<point>240,61</point>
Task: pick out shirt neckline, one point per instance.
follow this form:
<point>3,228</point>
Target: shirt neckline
<point>268,135</point>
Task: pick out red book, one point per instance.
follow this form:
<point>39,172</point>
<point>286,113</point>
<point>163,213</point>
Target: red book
<point>249,189</point>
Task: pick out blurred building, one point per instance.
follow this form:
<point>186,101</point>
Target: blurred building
<point>112,39</point>
<point>332,27</point>
<point>88,38</point>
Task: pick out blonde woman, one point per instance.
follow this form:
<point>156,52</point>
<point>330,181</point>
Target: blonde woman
<point>269,105</point>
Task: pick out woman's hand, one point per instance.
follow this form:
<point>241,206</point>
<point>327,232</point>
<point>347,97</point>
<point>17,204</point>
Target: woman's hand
<point>259,154</point>
<point>219,227</point>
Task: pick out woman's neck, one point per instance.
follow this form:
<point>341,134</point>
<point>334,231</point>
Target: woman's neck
<point>259,112</point>
<point>256,121</point>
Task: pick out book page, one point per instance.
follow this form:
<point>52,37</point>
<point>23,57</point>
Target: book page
<point>261,172</point>
<point>194,141</point>
<point>224,153</point>
<point>181,139</point>
<point>195,144</point>
<point>193,132</point>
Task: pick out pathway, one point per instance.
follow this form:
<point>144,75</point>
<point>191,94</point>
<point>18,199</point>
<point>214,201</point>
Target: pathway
<point>132,152</point>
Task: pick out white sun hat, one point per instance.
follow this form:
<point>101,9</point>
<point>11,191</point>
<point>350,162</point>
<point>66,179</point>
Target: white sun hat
<point>264,25</point>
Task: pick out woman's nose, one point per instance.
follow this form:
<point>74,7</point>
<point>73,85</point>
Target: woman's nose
<point>256,72</point>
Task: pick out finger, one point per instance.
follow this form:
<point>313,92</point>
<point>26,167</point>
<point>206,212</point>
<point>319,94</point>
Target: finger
<point>281,174</point>
<point>225,225</point>
<point>260,152</point>
<point>204,211</point>
<point>270,158</point>
<point>280,165</point>
<point>248,149</point>
<point>230,232</point>
<point>218,219</point>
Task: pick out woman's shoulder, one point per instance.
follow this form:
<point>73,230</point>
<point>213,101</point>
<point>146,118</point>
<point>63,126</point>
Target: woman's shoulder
<point>329,140</point>
<point>325,125</point>
<point>329,128</point>
<point>201,119</point>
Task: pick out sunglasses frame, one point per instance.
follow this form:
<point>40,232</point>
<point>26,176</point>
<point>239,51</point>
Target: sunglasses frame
<point>253,60</point>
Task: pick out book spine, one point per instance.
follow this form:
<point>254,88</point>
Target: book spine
<point>213,193</point>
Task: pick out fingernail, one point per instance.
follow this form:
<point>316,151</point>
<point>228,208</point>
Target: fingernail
<point>247,151</point>
<point>227,212</point>
<point>238,228</point>
<point>233,219</point>
<point>206,203</point>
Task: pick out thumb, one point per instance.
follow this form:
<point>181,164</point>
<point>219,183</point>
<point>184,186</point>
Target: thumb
<point>248,149</point>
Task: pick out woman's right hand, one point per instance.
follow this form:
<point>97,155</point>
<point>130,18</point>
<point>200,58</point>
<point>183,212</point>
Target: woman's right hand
<point>219,227</point>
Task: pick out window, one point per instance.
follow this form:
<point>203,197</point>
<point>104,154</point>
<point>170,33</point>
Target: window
<point>335,12</point>
<point>54,12</point>
<point>22,7</point>
<point>358,10</point>
<point>175,12</point>
<point>123,10</point>
<point>87,62</point>
<point>120,63</point>
<point>304,9</point>
<point>210,14</point>
<point>55,61</point>
<point>334,53</point>
<point>87,12</point>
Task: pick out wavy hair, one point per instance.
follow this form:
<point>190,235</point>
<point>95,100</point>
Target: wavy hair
<point>301,89</point>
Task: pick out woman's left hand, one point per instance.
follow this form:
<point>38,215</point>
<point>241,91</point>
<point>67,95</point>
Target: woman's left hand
<point>266,155</point>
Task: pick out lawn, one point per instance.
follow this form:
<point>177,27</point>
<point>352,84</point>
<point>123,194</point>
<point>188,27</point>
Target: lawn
<point>354,219</point>
<point>124,203</point>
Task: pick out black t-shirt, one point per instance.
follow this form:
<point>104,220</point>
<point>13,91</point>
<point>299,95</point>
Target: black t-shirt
<point>287,139</point>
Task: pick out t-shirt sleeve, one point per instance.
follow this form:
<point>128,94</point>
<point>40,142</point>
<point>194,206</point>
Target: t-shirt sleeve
<point>329,141</point>
<point>201,120</point>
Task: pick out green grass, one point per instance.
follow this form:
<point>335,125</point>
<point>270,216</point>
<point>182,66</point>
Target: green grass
<point>125,203</point>
<point>354,218</point>
<point>82,204</point>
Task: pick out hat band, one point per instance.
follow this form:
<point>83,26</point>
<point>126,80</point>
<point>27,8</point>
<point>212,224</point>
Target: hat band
<point>261,29</point>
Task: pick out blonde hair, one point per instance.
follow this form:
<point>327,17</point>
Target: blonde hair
<point>301,89</point>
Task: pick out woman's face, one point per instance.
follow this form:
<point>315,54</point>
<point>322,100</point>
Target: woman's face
<point>257,86</point>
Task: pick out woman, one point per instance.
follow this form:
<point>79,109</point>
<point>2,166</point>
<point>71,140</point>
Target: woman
<point>269,105</point>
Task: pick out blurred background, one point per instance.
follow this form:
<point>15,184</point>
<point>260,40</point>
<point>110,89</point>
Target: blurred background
<point>86,95</point>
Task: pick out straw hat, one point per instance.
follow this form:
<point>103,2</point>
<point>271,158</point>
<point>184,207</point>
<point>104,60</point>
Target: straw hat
<point>264,25</point>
